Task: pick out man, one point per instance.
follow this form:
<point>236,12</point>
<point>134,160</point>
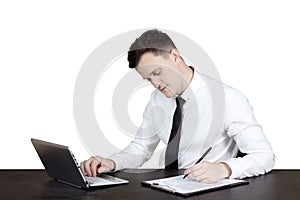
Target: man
<point>181,114</point>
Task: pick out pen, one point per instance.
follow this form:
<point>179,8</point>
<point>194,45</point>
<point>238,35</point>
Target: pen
<point>205,153</point>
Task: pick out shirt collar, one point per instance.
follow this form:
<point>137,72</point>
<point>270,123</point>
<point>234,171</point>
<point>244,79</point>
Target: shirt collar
<point>193,86</point>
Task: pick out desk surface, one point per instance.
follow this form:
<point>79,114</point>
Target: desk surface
<point>36,184</point>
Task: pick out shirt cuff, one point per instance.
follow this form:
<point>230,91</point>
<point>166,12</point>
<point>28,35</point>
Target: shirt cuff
<point>235,166</point>
<point>118,162</point>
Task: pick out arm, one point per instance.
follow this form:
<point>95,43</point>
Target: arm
<point>135,154</point>
<point>241,125</point>
<point>147,138</point>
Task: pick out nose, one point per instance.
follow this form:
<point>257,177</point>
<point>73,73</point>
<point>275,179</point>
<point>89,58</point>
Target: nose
<point>155,81</point>
<point>156,85</point>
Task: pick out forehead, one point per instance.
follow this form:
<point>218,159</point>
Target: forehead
<point>149,62</point>
<point>150,58</point>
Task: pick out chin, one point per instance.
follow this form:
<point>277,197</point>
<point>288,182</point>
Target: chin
<point>169,94</point>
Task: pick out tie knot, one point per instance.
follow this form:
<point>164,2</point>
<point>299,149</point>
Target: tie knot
<point>180,101</point>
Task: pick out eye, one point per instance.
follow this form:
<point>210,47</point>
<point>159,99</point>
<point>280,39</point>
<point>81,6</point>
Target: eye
<point>156,72</point>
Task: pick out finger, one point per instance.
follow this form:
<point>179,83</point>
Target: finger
<point>203,180</point>
<point>87,167</point>
<point>196,173</point>
<point>189,170</point>
<point>100,159</point>
<point>207,177</point>
<point>93,166</point>
<point>193,169</point>
<point>103,169</point>
<point>82,168</point>
<point>201,177</point>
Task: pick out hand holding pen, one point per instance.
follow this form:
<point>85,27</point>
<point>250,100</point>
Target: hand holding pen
<point>205,153</point>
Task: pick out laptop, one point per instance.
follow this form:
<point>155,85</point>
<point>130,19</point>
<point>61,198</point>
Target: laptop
<point>60,164</point>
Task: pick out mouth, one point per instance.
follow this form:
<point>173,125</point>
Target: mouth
<point>162,88</point>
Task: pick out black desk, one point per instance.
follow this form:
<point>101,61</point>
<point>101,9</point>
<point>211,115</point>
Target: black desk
<point>36,184</point>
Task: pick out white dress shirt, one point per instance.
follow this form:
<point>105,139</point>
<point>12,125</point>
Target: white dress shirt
<point>214,115</point>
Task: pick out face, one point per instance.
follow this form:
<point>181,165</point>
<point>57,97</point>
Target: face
<point>162,72</point>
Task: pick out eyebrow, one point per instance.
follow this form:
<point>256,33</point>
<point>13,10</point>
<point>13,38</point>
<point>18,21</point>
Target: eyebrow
<point>151,73</point>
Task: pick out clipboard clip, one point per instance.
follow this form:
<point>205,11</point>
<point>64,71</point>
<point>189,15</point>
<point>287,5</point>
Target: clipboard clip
<point>164,187</point>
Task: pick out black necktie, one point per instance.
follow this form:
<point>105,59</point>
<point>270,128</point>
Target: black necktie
<point>171,157</point>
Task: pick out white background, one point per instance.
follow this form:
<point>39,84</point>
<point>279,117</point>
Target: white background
<point>255,46</point>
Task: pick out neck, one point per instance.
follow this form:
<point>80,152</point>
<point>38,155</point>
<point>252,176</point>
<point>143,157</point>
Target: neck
<point>187,74</point>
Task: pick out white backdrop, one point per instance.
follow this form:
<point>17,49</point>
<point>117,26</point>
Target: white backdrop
<point>255,46</point>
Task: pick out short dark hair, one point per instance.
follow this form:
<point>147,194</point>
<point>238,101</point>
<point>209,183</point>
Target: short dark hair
<point>153,41</point>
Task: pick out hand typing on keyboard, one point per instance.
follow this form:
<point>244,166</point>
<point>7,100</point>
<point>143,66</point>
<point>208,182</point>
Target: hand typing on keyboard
<point>96,164</point>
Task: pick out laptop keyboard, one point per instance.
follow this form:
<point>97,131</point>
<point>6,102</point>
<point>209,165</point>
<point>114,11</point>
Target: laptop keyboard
<point>96,180</point>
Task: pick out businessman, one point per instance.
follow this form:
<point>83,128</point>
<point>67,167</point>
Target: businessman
<point>179,114</point>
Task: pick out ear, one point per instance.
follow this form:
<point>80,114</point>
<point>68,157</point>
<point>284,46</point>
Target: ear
<point>175,56</point>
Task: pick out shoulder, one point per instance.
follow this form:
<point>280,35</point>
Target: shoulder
<point>234,96</point>
<point>221,92</point>
<point>237,105</point>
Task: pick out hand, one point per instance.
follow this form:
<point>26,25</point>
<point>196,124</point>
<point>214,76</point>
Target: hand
<point>96,164</point>
<point>207,172</point>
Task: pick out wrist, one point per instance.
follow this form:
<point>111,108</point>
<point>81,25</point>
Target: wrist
<point>227,170</point>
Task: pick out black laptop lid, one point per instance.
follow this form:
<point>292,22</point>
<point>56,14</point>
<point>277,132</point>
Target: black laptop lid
<point>59,162</point>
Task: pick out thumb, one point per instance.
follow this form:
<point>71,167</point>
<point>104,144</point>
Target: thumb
<point>103,169</point>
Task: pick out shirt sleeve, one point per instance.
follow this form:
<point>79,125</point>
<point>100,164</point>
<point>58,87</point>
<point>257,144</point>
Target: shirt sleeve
<point>142,147</point>
<point>241,125</point>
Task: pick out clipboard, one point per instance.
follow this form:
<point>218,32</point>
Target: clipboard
<point>187,187</point>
